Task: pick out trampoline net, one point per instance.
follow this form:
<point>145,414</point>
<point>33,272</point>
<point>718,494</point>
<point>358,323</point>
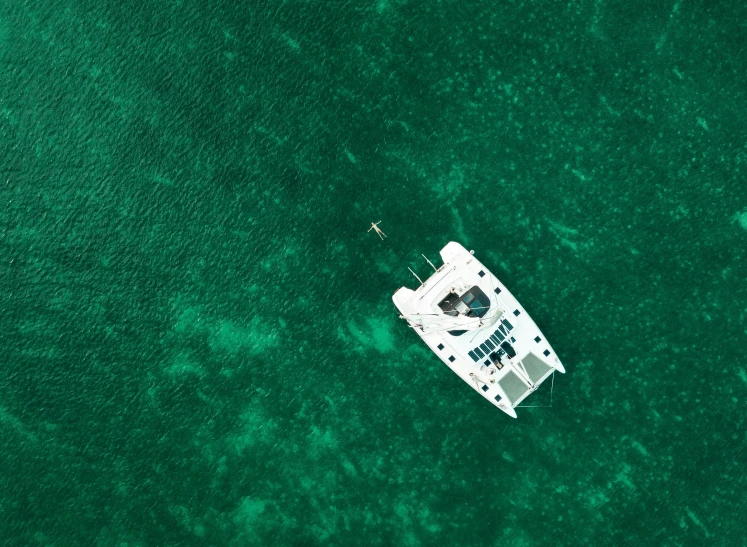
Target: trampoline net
<point>513,386</point>
<point>535,367</point>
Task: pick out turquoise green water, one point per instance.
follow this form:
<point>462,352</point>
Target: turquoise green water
<point>199,344</point>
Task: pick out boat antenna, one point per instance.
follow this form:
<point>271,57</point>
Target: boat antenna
<point>429,262</point>
<point>416,275</point>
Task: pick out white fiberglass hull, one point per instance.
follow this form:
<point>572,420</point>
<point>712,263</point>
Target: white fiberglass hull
<point>485,336</point>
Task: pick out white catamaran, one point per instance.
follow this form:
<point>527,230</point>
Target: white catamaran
<point>477,327</point>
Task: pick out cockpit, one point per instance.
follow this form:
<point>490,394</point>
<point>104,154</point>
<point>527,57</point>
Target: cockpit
<point>473,303</point>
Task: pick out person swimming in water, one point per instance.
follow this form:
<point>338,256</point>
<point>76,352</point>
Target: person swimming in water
<point>374,226</point>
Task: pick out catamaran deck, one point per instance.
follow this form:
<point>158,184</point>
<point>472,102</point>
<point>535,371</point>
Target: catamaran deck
<point>502,340</point>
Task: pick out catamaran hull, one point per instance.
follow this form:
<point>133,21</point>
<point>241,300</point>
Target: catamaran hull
<point>501,354</point>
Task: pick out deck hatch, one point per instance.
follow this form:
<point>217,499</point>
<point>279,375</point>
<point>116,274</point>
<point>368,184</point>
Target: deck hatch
<point>509,349</point>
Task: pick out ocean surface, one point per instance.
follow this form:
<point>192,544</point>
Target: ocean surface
<point>198,341</point>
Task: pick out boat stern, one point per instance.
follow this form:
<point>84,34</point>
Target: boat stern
<point>402,298</point>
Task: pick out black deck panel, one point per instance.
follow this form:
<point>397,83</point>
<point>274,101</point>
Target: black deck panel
<point>479,353</point>
<point>498,334</point>
<point>509,349</point>
<point>484,348</point>
<point>508,325</point>
<point>473,355</point>
<point>490,344</point>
